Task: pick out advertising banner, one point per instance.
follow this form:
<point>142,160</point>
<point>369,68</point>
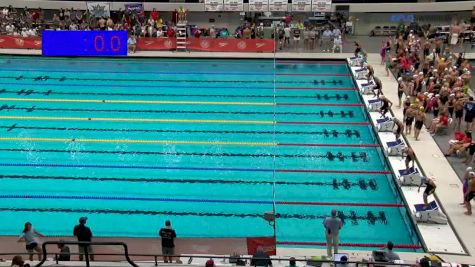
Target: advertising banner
<point>321,5</point>
<point>233,5</point>
<point>301,5</point>
<point>278,5</point>
<point>135,9</point>
<point>214,5</point>
<point>258,5</point>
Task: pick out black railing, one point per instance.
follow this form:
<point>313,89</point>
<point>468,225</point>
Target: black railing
<point>246,259</point>
<point>86,251</point>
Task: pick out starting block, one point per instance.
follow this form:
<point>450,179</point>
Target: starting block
<point>412,178</point>
<point>361,73</point>
<point>374,104</point>
<point>367,88</point>
<point>355,61</point>
<point>431,214</point>
<point>396,148</point>
<point>385,124</point>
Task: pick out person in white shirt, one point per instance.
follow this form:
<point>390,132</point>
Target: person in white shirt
<point>338,43</point>
<point>159,32</point>
<point>336,33</point>
<point>132,43</point>
<point>326,40</point>
<point>287,34</point>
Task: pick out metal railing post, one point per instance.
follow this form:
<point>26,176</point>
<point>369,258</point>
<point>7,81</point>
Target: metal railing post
<point>156,260</point>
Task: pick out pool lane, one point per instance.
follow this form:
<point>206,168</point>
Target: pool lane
<point>219,136</point>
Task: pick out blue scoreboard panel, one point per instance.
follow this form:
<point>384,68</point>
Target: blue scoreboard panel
<point>84,43</point>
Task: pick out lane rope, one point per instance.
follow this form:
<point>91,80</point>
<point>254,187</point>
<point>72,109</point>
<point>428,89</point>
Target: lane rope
<point>191,200</point>
<point>132,120</point>
<point>103,166</point>
<point>157,102</point>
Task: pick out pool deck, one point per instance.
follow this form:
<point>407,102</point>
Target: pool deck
<point>430,159</point>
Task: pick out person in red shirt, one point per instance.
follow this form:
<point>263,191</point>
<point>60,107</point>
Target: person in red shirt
<point>197,33</point>
<point>154,14</point>
<point>459,146</point>
<point>170,32</point>
<point>441,122</point>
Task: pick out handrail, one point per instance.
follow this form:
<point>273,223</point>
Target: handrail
<point>124,245</point>
<point>201,256</point>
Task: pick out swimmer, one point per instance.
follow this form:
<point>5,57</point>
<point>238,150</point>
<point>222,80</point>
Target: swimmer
<point>430,189</point>
<point>410,115</point>
<point>420,119</point>
<point>410,157</point>
<point>469,194</point>
<point>401,90</point>
<point>466,178</point>
<point>399,128</point>
<point>386,105</point>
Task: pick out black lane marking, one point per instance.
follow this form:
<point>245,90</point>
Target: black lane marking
<point>64,78</point>
<point>53,92</point>
<point>336,184</point>
<point>327,133</point>
<point>352,216</point>
<point>321,113</point>
<point>329,155</point>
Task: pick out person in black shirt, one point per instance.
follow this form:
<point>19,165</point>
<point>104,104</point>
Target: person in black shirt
<point>168,246</point>
<point>83,234</point>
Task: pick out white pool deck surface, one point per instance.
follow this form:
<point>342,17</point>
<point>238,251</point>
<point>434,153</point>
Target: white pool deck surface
<point>454,242</point>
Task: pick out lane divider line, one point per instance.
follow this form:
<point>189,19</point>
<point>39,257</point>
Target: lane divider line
<point>132,120</point>
<point>229,201</point>
<point>164,102</point>
<point>46,118</point>
<point>315,74</point>
<point>284,62</point>
<point>52,165</point>
<point>176,142</point>
<point>158,102</point>
<point>318,88</point>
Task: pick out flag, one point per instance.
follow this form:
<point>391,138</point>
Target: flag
<point>98,9</point>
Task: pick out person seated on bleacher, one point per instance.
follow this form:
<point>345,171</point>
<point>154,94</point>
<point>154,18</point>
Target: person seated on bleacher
<point>430,189</point>
<point>391,256</point>
<point>261,258</point>
<point>460,144</point>
<point>440,122</point>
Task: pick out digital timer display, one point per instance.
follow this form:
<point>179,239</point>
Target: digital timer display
<point>84,43</point>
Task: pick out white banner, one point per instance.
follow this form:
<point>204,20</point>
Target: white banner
<point>233,5</point>
<point>214,5</point>
<point>278,5</point>
<point>259,5</point>
<point>321,5</point>
<point>301,5</point>
<point>99,9</point>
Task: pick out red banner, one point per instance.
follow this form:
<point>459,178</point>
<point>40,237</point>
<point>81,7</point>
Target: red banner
<point>150,43</point>
<point>231,45</point>
<point>147,43</point>
<point>16,42</point>
<point>267,243</point>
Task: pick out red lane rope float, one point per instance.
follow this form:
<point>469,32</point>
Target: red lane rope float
<point>336,171</point>
<point>283,62</point>
<point>321,105</point>
<point>323,122</point>
<point>315,74</point>
<point>364,245</point>
<point>331,145</point>
<point>318,88</point>
<point>310,203</point>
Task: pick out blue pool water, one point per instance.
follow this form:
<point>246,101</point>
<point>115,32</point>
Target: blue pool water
<point>209,144</point>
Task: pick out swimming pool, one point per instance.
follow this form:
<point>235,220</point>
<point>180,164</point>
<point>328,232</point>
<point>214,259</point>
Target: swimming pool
<point>209,144</point>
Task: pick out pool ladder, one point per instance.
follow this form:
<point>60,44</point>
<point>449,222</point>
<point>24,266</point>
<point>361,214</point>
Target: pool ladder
<point>181,35</point>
